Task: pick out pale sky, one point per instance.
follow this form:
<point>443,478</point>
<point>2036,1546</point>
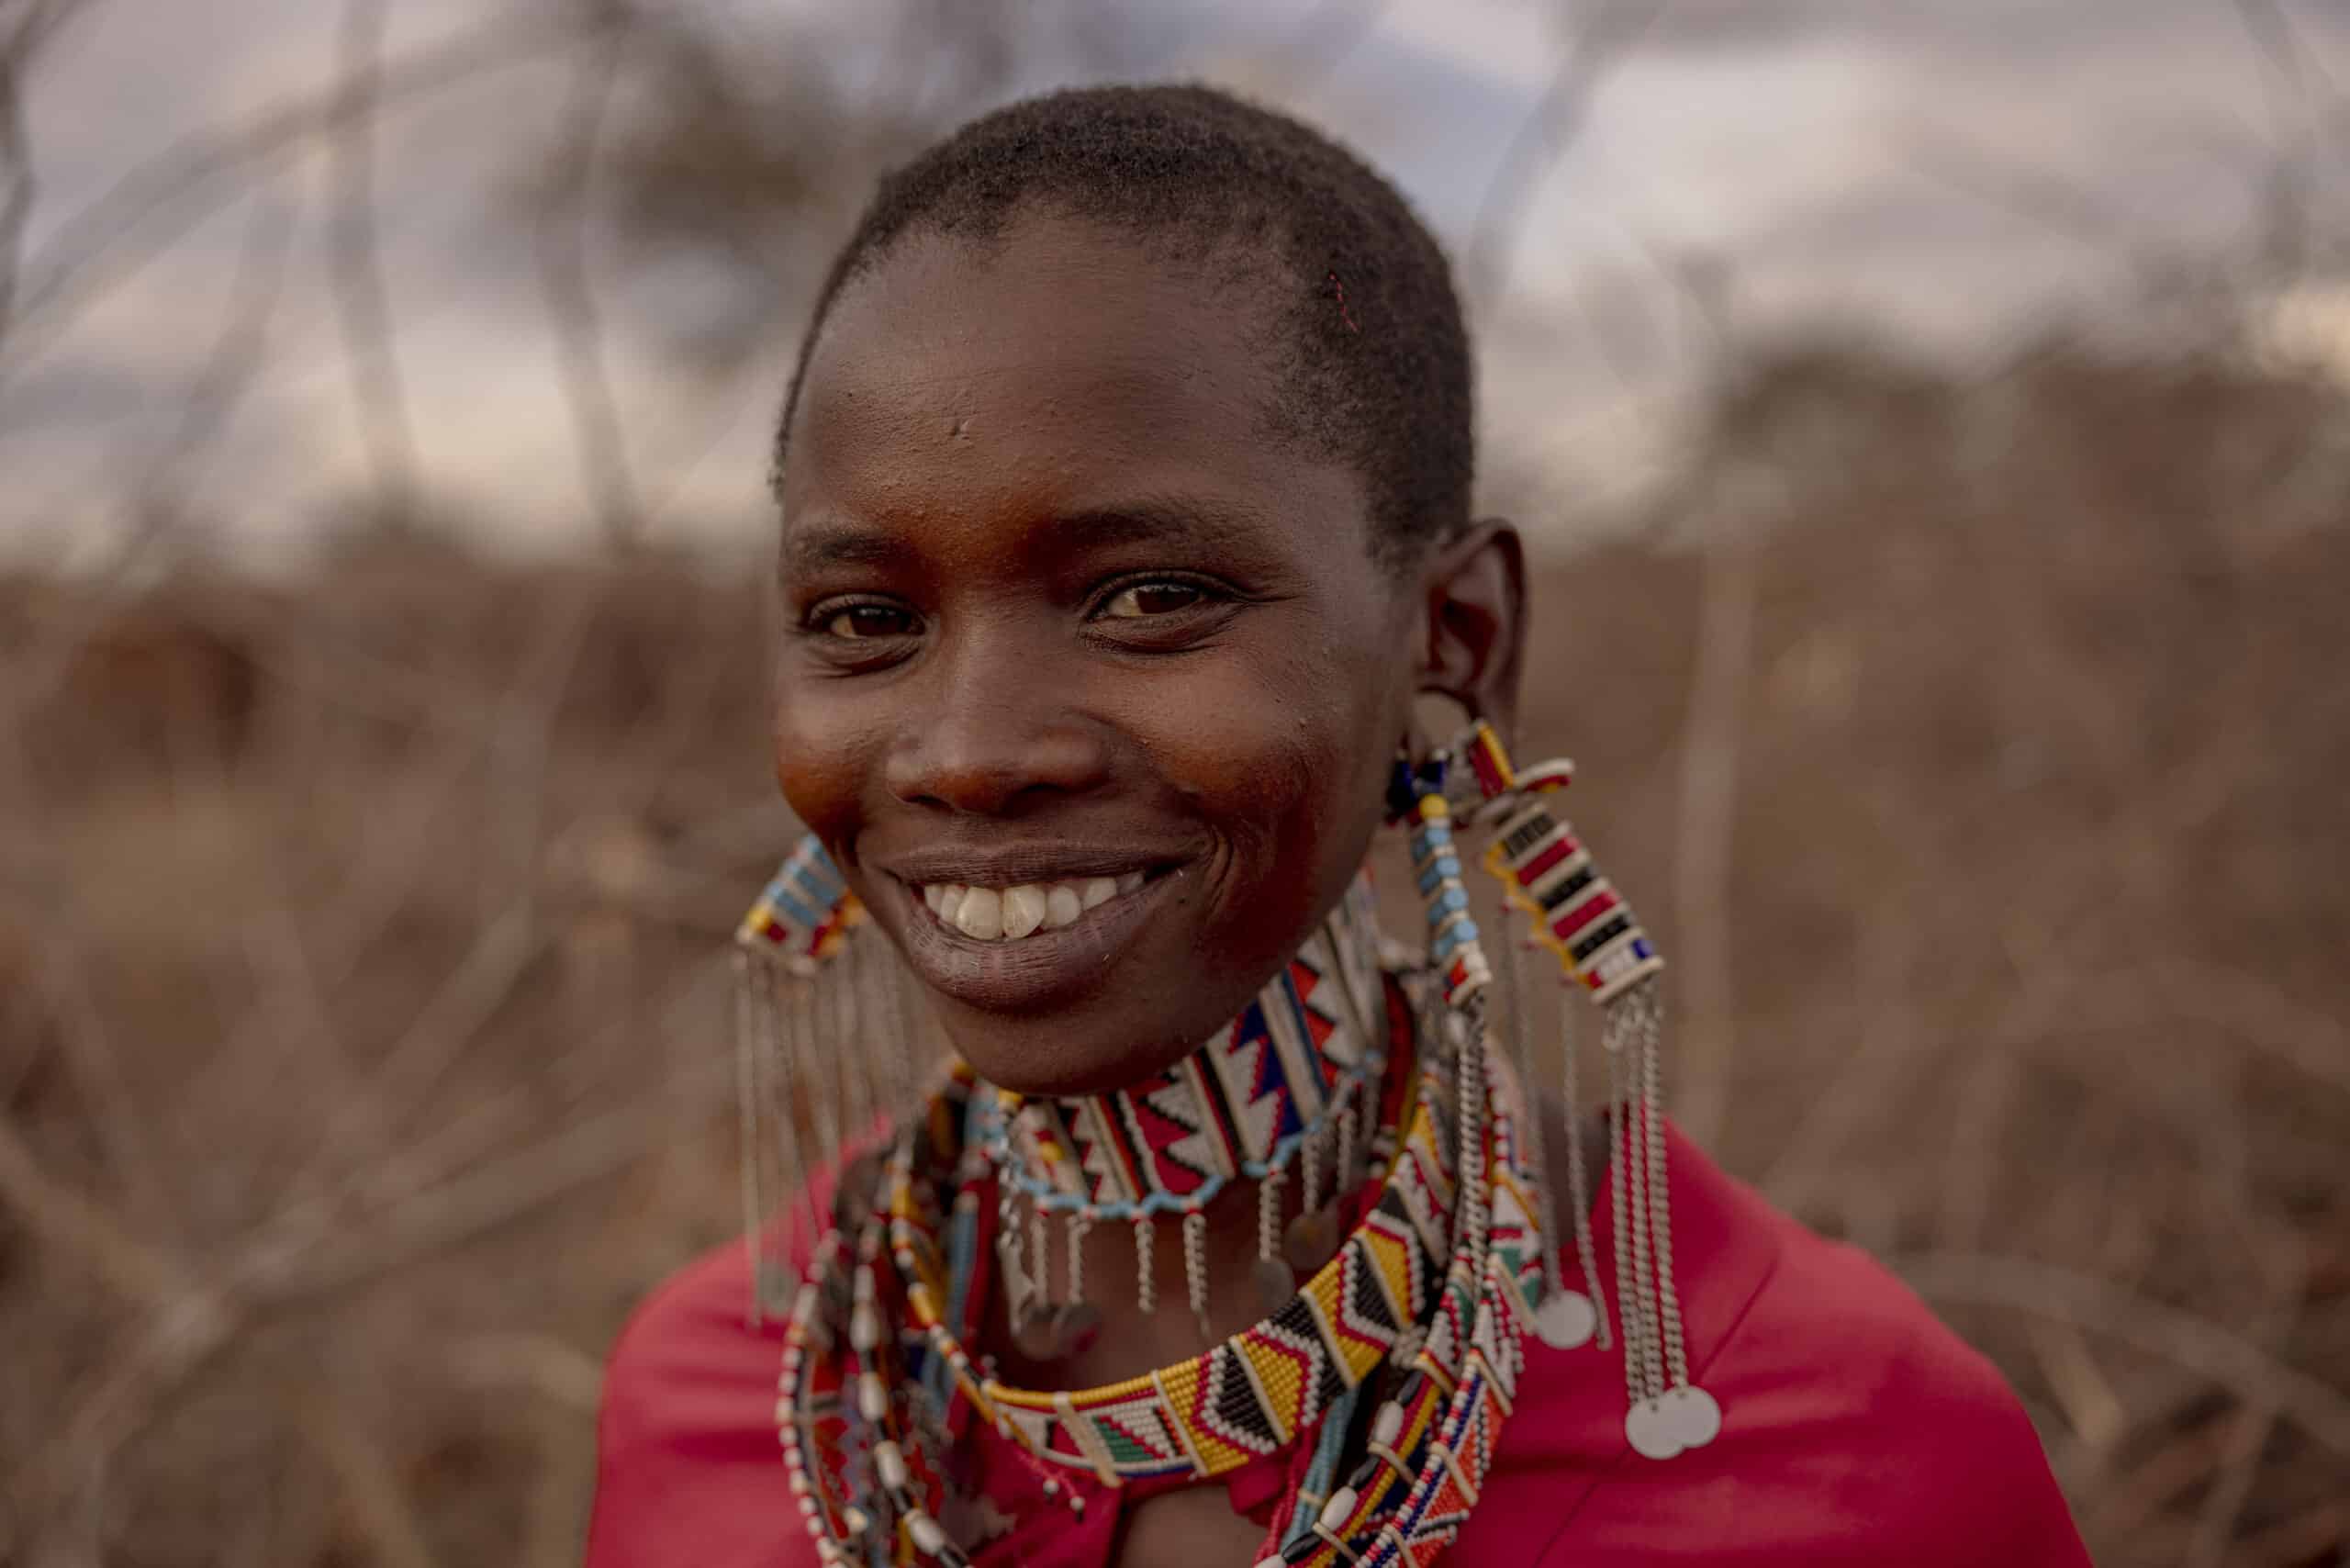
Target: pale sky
<point>1856,165</point>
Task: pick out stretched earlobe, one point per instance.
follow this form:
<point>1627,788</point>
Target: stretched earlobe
<point>1473,621</point>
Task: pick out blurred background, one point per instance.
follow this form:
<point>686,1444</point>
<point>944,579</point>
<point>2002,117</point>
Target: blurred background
<point>1929,417</point>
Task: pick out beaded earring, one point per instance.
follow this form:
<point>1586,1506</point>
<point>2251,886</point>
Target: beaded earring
<point>1584,922</point>
<point>823,1049</point>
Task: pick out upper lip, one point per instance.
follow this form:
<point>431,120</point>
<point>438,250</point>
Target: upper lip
<point>1014,865</point>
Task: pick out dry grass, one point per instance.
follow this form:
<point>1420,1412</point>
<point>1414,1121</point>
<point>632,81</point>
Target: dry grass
<point>1978,750</point>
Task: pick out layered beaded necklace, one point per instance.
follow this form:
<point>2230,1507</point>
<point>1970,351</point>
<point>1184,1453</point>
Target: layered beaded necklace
<point>1386,1376</point>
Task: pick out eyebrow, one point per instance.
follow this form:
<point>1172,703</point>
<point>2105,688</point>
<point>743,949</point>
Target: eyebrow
<point>1177,520</point>
<point>1195,522</point>
<point>831,541</point>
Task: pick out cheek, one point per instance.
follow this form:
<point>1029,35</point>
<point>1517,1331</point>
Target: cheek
<point>824,750</point>
<point>1273,751</point>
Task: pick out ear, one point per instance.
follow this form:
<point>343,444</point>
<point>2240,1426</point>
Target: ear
<point>1472,639</point>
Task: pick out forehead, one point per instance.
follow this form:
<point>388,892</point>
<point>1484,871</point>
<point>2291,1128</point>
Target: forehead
<point>1061,367</point>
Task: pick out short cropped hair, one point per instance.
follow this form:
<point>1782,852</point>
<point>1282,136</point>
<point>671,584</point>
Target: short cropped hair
<point>1373,358</point>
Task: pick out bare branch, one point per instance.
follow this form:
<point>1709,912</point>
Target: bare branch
<point>166,194</point>
<point>363,302</point>
<point>565,220</point>
<point>2197,1344</point>
<point>1543,136</point>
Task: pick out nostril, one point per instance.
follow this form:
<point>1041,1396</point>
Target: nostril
<point>988,768</point>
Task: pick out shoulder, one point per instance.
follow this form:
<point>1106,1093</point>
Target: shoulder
<point>688,1468</point>
<point>1857,1428</point>
<point>1855,1391</point>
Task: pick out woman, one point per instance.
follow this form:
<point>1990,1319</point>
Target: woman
<point>1125,486</point>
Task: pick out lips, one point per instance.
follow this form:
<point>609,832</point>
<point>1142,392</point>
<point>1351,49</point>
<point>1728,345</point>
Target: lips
<point>1035,938</point>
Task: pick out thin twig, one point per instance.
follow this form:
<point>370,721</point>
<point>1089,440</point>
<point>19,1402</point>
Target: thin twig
<point>363,302</point>
<point>2184,1339</point>
<point>560,236</point>
<point>1542,139</point>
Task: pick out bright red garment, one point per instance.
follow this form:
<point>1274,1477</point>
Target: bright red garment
<point>1856,1429</point>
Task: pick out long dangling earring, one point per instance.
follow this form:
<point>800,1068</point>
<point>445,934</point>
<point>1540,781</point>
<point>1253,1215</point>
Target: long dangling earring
<point>820,1011</point>
<point>1582,919</point>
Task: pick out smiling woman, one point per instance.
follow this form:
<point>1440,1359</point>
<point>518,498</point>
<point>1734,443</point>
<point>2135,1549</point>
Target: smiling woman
<point>1124,488</point>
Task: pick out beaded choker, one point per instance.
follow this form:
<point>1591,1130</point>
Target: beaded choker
<point>1282,1085</point>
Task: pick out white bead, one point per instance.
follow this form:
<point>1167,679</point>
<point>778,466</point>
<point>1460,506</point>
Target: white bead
<point>1335,1511</point>
<point>864,1327</point>
<point>928,1534</point>
<point>890,1460</point>
<point>872,1399</point>
<point>1389,1426</point>
<point>853,1517</point>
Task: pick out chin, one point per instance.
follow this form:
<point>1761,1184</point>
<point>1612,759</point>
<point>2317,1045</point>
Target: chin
<point>1063,1054</point>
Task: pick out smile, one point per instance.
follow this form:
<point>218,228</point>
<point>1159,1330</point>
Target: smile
<point>1015,914</point>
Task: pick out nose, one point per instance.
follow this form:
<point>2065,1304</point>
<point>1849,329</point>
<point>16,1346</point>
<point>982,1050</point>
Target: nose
<point>1001,736</point>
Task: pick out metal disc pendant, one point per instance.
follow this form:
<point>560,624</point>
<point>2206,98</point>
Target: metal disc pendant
<point>1036,1329</point>
<point>1274,1281</point>
<point>1692,1416</point>
<point>1649,1430</point>
<point>1566,1320</point>
<point>1310,1239</point>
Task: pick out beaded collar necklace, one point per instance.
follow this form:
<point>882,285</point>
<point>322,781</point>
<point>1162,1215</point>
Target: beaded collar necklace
<point>1423,1301</point>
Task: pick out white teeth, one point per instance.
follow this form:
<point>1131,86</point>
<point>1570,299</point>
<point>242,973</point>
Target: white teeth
<point>980,914</point>
<point>1023,909</point>
<point>1007,915</point>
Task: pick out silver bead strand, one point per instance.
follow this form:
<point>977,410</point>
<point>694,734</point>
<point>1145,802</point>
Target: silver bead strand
<point>1620,1175</point>
<point>1196,1266</point>
<point>1309,1159</point>
<point>1344,1181</point>
<point>1145,1283</point>
<point>753,1162</point>
<point>1016,1284</point>
<point>847,1052</point>
<point>1040,1269</point>
<point>790,1002</point>
<point>1578,1181</point>
<point>1554,1283</point>
<point>1692,1417</point>
<point>807,996</point>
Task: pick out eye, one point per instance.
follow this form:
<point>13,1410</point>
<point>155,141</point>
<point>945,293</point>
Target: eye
<point>859,622</point>
<point>1149,599</point>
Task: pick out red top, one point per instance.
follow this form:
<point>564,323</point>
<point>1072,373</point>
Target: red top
<point>1856,1430</point>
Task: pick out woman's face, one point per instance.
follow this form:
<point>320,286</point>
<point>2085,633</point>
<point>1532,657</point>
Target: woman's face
<point>1063,626</point>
